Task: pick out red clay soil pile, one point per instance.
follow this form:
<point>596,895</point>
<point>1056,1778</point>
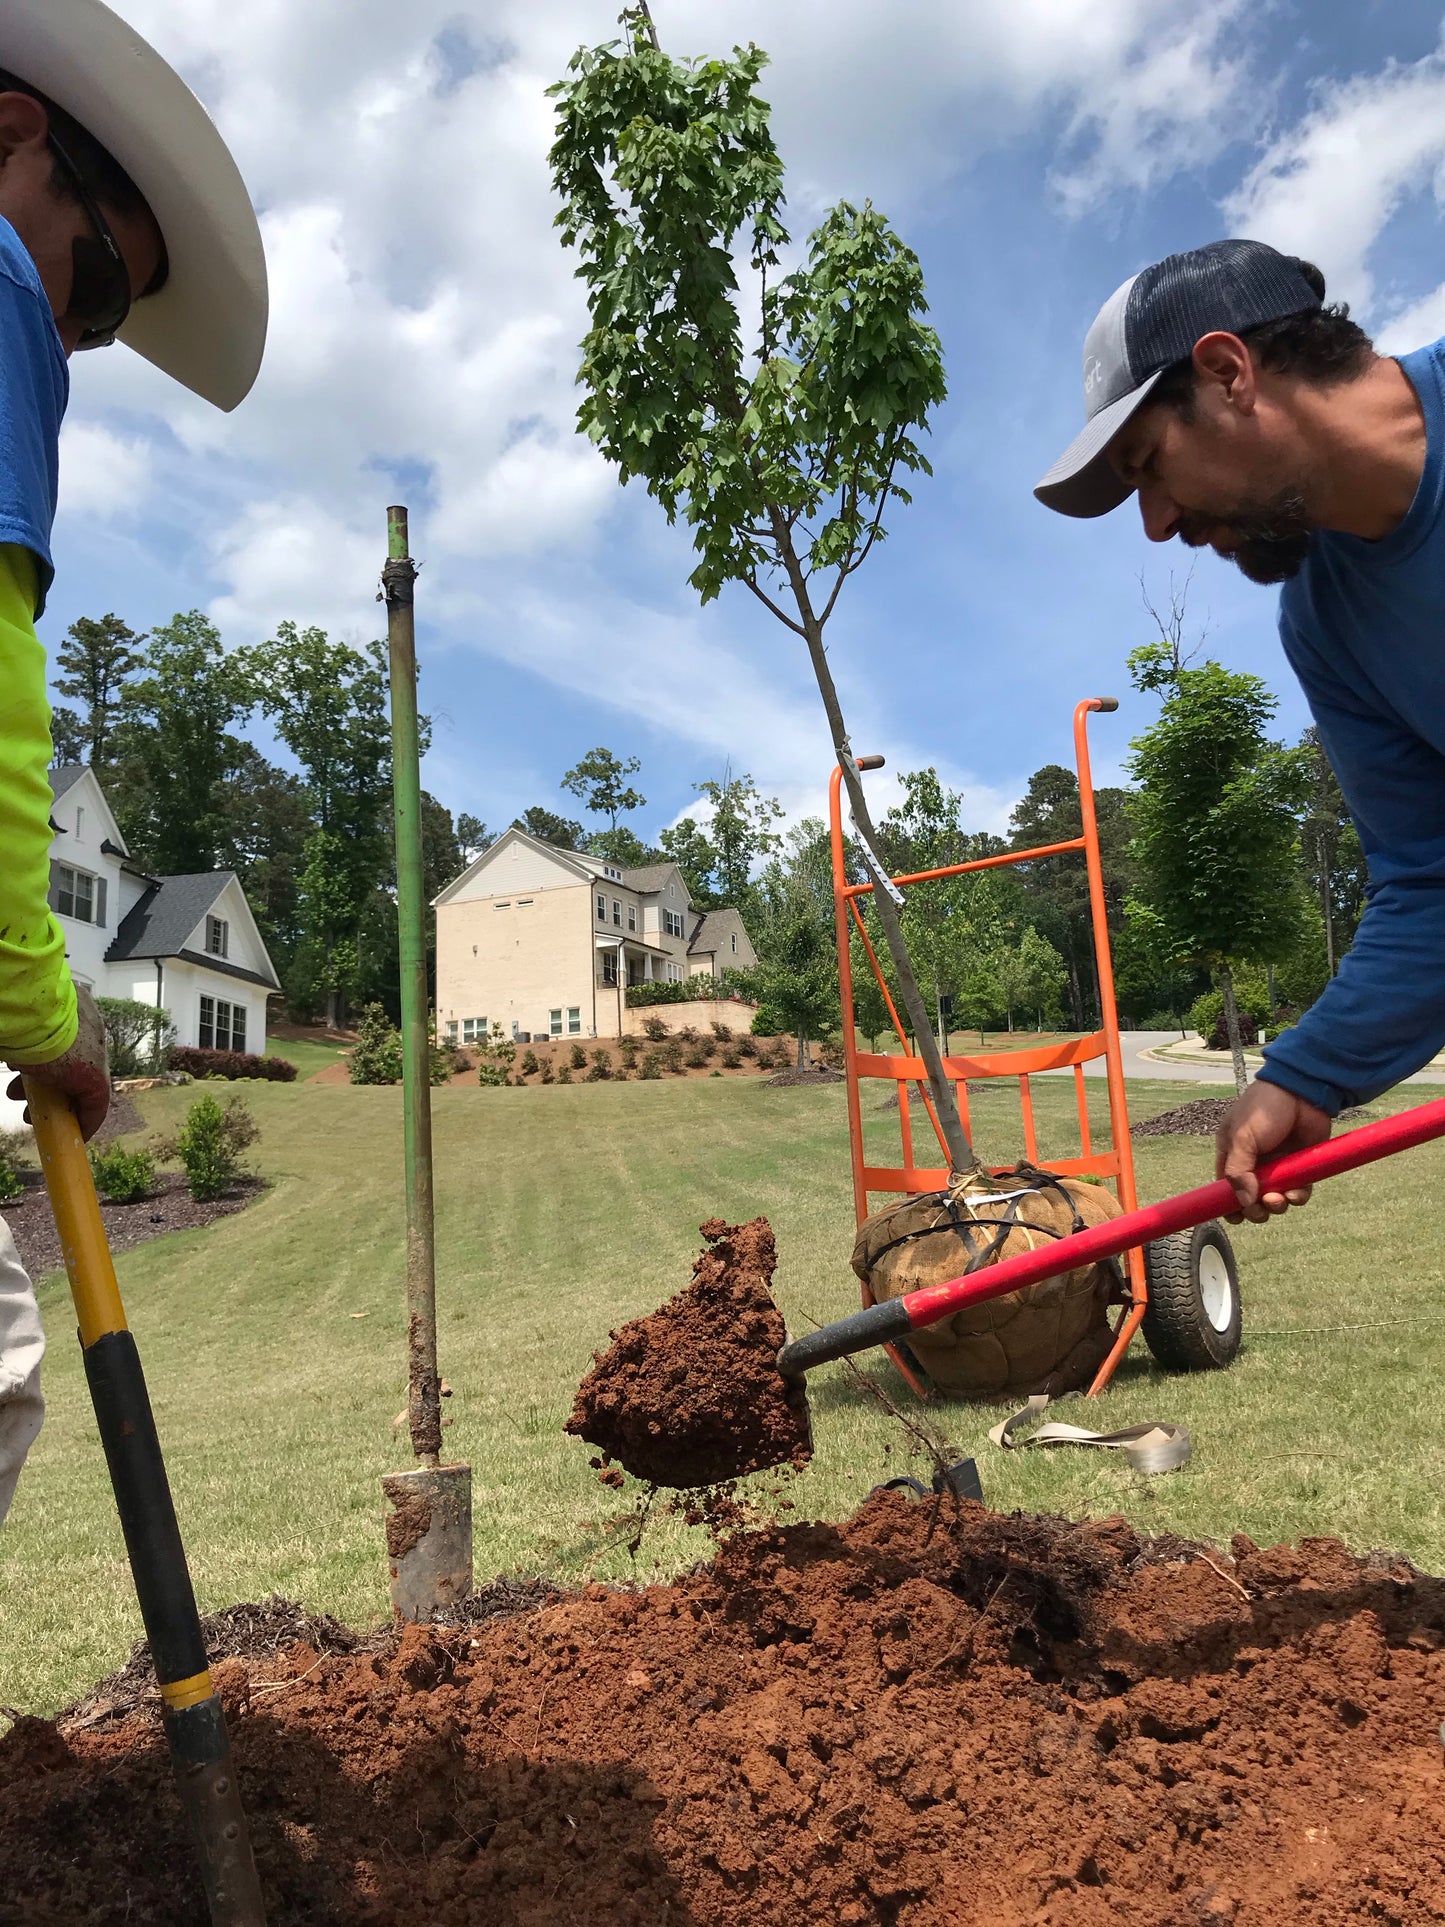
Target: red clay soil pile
<point>1005,1721</point>
<point>691,1394</point>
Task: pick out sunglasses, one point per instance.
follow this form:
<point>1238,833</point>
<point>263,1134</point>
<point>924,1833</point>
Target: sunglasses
<point>100,291</point>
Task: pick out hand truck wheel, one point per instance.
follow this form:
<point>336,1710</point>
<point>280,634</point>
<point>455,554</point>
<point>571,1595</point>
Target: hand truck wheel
<point>1193,1322</point>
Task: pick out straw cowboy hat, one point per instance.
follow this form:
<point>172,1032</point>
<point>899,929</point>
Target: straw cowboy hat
<point>207,325</point>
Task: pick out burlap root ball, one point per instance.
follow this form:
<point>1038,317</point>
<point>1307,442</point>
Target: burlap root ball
<point>1050,1337</point>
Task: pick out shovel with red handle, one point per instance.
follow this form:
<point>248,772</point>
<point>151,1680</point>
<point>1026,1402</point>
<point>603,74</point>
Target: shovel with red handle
<point>895,1318</point>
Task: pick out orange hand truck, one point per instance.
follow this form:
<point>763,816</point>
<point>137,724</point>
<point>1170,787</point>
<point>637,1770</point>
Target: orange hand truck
<point>1192,1319</point>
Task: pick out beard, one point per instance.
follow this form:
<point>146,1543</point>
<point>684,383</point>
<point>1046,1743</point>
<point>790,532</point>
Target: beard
<point>1271,540</point>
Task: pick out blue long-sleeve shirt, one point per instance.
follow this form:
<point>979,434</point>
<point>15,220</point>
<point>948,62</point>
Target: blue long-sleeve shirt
<point>1363,625</point>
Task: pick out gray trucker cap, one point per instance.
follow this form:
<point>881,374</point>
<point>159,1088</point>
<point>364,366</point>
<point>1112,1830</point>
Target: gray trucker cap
<point>1150,323</point>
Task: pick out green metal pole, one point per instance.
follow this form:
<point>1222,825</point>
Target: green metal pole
<point>423,1380</point>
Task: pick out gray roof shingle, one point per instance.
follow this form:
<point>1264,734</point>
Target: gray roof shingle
<point>159,924</point>
<point>649,876</point>
<point>61,779</point>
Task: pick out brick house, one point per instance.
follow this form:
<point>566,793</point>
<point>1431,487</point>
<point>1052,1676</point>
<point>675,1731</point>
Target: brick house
<point>547,942</point>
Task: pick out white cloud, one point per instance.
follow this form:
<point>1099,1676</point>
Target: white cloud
<point>1327,187</point>
<point>103,475</point>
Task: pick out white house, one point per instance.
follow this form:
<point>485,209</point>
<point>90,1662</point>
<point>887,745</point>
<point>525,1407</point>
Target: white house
<point>547,942</point>
<point>188,944</point>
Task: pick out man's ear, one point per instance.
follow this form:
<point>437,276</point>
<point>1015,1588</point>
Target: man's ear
<point>1222,362</point>
<point>23,123</point>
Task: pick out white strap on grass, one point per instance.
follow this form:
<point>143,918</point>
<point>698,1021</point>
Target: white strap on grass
<point>1151,1446</point>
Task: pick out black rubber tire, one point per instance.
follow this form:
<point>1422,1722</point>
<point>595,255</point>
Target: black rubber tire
<point>1177,1328</point>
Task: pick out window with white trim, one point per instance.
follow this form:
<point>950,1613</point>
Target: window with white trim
<point>617,911</point>
<point>451,1030</point>
<point>574,1020</point>
<point>735,942</point>
<point>222,1025</point>
<point>474,1030</point>
<point>609,968</point>
<point>632,916</point>
<point>218,937</point>
<point>672,923</point>
<point>78,894</point>
<point>601,908</point>
<point>674,973</point>
<point>554,1023</point>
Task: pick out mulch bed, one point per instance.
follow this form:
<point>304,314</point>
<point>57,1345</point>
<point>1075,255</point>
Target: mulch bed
<point>170,1207</point>
<point>1202,1117</point>
<point>691,1395</point>
<point>906,1720</point>
<point>814,1074</point>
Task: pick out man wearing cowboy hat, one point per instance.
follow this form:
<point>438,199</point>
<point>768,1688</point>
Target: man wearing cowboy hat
<point>1249,416</point>
<point>122,217</point>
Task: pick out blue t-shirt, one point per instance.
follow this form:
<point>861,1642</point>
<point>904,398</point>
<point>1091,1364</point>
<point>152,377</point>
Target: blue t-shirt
<point>34,388</point>
<point>1363,625</point>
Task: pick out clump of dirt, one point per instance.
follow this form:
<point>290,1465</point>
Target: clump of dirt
<point>691,1395</point>
<point>1202,1117</point>
<point>1013,1720</point>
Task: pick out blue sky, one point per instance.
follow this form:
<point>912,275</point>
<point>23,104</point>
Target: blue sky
<point>423,348</point>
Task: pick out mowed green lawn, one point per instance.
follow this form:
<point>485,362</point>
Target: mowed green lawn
<point>274,1346</point>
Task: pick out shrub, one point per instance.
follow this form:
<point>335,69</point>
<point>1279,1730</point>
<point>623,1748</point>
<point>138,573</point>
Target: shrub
<point>695,1058</point>
<point>239,1063</point>
<point>122,1175</point>
<point>722,1032</point>
<point>210,1145</point>
<point>700,990</point>
<point>651,1065</point>
<point>767,1022</point>
<point>137,1036</point>
<point>577,1058</point>
<point>15,1149</point>
<point>564,1076</point>
<point>732,1058</point>
<point>530,1066</point>
<point>655,1030</point>
<point>627,1049</point>
<point>689,1034</point>
<point>746,1046</point>
<point>376,1055</point>
<point>601,1067</point>
<point>1206,1017</point>
<point>495,1057</point>
<point>831,1053</point>
<point>548,1074</point>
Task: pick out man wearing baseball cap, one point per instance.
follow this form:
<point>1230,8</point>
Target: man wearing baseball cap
<point>122,217</point>
<point>1249,416</point>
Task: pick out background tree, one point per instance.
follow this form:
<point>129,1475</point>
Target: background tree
<point>687,845</point>
<point>621,846</point>
<point>327,703</point>
<point>740,833</point>
<point>600,780</point>
<point>1330,852</point>
<point>93,664</point>
<point>782,454</point>
<point>548,827</point>
<point>173,752</point>
<point>1056,888</point>
<point>473,836</point>
<point>1215,821</point>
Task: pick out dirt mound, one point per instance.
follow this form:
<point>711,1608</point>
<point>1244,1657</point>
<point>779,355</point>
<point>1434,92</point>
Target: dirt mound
<point>968,1722</point>
<point>690,1395</point>
<point>1202,1118</point>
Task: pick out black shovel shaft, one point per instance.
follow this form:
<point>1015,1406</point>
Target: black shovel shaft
<point>877,1324</point>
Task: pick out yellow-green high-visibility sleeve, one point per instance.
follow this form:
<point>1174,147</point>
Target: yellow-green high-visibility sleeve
<point>37,997</point>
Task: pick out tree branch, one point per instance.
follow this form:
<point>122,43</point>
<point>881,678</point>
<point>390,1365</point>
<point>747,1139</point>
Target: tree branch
<point>768,603</point>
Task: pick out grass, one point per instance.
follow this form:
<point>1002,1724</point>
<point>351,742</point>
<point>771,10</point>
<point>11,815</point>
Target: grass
<point>306,1053</point>
<point>274,1345</point>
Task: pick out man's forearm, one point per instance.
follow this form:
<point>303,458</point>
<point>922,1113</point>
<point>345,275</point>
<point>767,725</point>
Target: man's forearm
<point>37,997</point>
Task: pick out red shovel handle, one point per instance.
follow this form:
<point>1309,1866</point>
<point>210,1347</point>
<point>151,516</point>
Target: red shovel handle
<point>895,1318</point>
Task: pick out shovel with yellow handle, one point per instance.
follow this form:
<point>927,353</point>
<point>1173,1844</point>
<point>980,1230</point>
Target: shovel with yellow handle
<point>194,1723</point>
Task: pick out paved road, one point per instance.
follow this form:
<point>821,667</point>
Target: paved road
<point>1185,1070</point>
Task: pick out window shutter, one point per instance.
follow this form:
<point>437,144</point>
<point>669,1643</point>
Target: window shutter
<point>100,901</point>
<point>53,894</point>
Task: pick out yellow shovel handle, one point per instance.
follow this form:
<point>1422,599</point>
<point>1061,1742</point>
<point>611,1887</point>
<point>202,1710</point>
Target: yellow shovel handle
<point>66,1167</point>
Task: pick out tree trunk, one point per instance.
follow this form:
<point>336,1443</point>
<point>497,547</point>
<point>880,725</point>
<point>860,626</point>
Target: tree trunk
<point>1329,914</point>
<point>1076,995</point>
<point>1231,1025</point>
<point>961,1156</point>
